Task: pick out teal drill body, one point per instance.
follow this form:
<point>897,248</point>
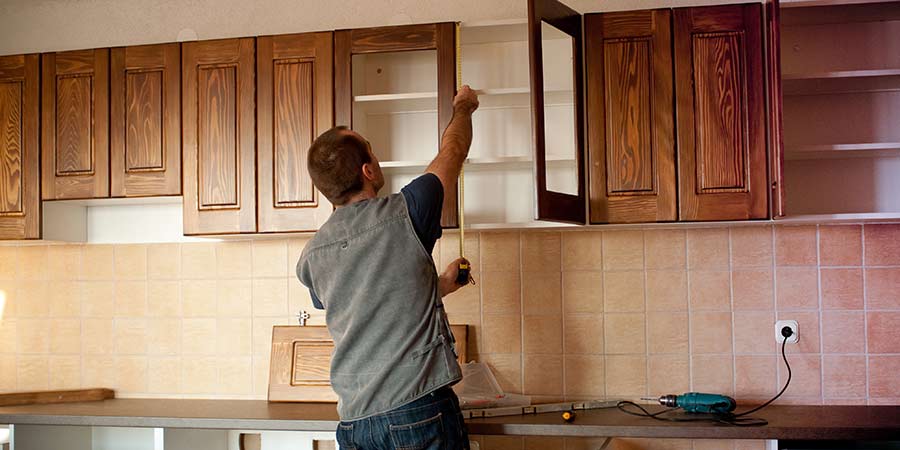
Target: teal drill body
<point>699,402</point>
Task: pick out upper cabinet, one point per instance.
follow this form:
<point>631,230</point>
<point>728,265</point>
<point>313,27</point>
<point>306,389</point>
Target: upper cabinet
<point>631,116</point>
<point>145,120</point>
<point>75,124</point>
<point>395,86</point>
<point>251,108</point>
<point>20,208</point>
<point>720,107</point>
<point>294,106</point>
<point>703,158</point>
<point>219,136</point>
<point>841,94</point>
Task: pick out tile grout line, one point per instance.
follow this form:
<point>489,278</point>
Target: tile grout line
<point>687,282</point>
<point>864,270</point>
<point>731,299</point>
<point>819,312</point>
<point>646,315</point>
<point>774,265</point>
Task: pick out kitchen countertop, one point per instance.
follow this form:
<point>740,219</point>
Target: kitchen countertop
<point>785,422</point>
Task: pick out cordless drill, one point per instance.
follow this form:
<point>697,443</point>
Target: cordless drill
<point>697,402</point>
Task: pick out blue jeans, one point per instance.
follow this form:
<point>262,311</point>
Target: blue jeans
<point>433,422</point>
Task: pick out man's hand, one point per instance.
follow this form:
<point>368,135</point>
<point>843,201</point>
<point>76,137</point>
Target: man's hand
<point>466,101</point>
<point>447,281</point>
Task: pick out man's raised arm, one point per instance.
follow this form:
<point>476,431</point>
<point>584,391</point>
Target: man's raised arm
<point>455,140</point>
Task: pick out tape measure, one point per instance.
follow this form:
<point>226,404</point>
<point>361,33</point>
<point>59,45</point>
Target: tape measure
<point>464,273</point>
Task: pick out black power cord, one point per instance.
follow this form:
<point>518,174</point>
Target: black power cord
<point>733,419</point>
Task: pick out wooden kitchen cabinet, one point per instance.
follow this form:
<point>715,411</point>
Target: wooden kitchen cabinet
<point>294,95</point>
<point>219,136</point>
<point>395,86</point>
<point>145,120</point>
<point>631,133</point>
<point>20,207</point>
<point>75,124</point>
<point>705,158</point>
<point>721,115</point>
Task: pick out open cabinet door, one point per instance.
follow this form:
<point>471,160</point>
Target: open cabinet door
<point>776,124</point>
<point>554,43</point>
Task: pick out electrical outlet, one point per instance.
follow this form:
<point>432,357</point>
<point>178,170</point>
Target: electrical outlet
<point>792,324</point>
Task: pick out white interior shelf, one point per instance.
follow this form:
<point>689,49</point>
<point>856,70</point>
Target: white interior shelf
<point>858,150</point>
<point>841,74</point>
<point>474,163</point>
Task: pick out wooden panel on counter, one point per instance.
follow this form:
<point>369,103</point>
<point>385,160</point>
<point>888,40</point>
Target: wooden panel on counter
<point>20,207</point>
<point>720,113</point>
<point>75,124</point>
<point>631,136</point>
<point>300,365</point>
<point>294,106</point>
<point>219,136</point>
<point>47,397</point>
<point>145,120</point>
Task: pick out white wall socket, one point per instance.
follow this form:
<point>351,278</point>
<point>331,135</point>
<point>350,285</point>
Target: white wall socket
<point>792,324</point>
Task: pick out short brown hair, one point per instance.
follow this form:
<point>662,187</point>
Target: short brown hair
<point>334,162</point>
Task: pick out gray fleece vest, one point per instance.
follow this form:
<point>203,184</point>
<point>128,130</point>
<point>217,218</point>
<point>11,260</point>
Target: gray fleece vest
<point>392,341</point>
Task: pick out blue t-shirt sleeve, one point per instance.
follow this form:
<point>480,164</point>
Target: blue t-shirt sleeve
<point>425,201</point>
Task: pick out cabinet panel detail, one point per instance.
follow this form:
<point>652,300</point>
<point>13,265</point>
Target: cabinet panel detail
<point>74,117</point>
<point>20,203</point>
<point>11,179</point>
<point>720,93</point>
<point>219,137</point>
<point>144,149</point>
<point>294,125</point>
<point>74,125</point>
<point>720,113</point>
<point>217,140</point>
<point>628,105</point>
<point>631,137</point>
<point>295,89</point>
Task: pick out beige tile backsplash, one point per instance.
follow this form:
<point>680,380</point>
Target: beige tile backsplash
<point>572,314</point>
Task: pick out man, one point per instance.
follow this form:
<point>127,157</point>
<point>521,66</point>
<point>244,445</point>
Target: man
<point>370,268</point>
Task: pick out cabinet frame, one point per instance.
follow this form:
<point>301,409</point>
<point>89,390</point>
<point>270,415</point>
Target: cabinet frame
<point>71,68</point>
<point>222,59</point>
<point>740,26</point>
<point>298,50</point>
<point>148,61</point>
<point>632,200</point>
<point>440,37</point>
<point>20,217</point>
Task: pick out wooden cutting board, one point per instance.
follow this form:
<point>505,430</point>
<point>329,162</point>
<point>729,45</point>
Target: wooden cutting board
<point>301,362</point>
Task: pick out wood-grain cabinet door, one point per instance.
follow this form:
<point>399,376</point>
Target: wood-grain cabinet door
<point>145,120</point>
<point>440,37</point>
<point>75,124</point>
<point>20,207</point>
<point>721,124</point>
<point>631,136</point>
<point>219,136</point>
<point>294,105</point>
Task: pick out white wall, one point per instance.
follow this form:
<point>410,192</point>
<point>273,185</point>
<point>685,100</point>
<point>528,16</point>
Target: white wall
<point>52,25</point>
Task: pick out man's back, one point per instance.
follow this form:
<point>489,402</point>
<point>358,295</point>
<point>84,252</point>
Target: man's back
<point>369,269</point>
